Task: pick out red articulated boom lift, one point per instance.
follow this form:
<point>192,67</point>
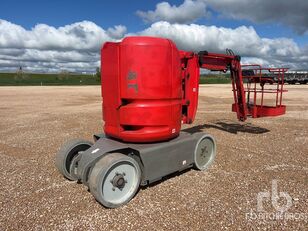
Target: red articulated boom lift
<point>149,88</point>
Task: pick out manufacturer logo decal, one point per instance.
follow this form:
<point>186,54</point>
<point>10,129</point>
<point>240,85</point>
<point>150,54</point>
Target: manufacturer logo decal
<point>131,81</point>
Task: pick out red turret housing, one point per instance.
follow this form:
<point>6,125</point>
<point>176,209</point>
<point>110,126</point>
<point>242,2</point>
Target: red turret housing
<point>143,100</point>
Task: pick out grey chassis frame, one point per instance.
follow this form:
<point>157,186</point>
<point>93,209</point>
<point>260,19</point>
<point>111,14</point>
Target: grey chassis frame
<point>156,160</point>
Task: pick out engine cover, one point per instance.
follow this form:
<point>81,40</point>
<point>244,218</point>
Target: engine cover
<point>141,89</point>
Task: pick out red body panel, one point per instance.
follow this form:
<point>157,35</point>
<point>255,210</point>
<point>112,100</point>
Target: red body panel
<point>190,76</point>
<point>141,89</point>
<point>110,87</point>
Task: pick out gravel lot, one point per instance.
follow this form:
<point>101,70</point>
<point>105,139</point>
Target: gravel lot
<point>35,121</point>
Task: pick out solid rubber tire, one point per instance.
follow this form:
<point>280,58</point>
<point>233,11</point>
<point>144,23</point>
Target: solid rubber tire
<point>100,172</point>
<point>67,152</point>
<point>204,166</point>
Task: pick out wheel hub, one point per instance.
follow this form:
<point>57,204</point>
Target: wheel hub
<point>118,181</point>
<point>204,151</point>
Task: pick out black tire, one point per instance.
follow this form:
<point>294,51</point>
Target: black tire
<point>105,175</point>
<point>66,154</point>
<point>205,152</point>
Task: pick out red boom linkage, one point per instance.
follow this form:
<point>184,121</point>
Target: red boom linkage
<point>191,63</point>
<point>248,81</point>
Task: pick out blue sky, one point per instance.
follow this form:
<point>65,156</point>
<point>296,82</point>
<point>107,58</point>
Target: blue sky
<point>283,22</point>
<point>109,13</point>
<point>59,13</point>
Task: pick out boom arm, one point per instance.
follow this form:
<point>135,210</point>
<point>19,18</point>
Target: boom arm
<point>191,63</point>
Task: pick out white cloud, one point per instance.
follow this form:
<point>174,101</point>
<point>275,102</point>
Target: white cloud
<point>259,61</point>
<point>242,40</point>
<point>72,46</point>
<point>76,47</point>
<point>81,35</point>
<point>117,32</point>
<point>187,12</point>
<point>291,13</point>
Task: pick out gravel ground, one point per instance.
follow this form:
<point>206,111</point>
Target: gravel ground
<point>35,121</point>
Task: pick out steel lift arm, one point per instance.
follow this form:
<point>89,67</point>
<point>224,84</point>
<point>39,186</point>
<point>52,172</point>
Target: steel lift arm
<point>192,62</point>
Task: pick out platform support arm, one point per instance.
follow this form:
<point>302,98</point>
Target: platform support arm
<point>221,62</point>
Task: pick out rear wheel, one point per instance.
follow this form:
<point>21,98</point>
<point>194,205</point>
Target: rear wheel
<point>114,179</point>
<point>66,155</point>
<point>205,152</point>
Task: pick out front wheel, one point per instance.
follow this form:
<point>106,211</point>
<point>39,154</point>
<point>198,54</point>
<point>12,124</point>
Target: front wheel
<point>66,155</point>
<point>114,180</point>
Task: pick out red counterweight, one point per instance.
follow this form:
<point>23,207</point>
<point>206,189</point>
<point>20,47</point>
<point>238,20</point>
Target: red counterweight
<point>143,100</point>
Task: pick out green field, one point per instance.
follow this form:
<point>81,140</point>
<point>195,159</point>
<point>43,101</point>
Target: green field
<point>25,79</point>
<point>215,79</point>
